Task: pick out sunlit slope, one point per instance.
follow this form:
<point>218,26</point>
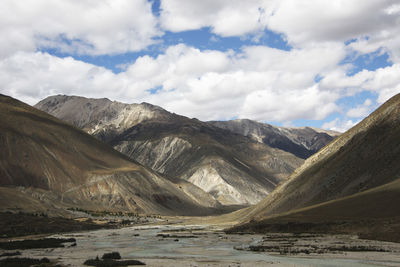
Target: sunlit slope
<point>65,167</point>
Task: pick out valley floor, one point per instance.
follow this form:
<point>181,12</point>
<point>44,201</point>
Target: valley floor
<point>176,244</point>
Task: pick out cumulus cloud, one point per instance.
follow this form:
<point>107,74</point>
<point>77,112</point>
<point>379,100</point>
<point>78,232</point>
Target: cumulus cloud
<point>368,26</point>
<point>360,111</point>
<point>226,18</point>
<point>312,28</point>
<point>287,105</point>
<point>339,125</point>
<point>319,21</point>
<point>371,24</point>
<point>257,82</point>
<point>32,76</point>
<point>86,27</point>
<point>383,81</point>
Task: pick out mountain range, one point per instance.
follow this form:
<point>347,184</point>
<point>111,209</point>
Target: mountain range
<point>301,142</point>
<point>48,165</point>
<point>105,155</point>
<point>231,165</point>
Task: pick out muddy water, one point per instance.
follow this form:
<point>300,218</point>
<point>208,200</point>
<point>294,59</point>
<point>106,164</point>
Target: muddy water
<point>192,246</point>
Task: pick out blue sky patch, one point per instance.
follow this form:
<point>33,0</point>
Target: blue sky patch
<point>372,61</point>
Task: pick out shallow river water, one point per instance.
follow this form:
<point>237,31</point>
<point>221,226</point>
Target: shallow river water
<point>191,246</point>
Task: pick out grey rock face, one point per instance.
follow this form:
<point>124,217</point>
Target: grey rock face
<point>231,168</point>
<point>100,117</point>
<point>302,142</point>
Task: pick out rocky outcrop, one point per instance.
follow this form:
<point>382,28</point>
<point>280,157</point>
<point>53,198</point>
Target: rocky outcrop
<point>160,155</point>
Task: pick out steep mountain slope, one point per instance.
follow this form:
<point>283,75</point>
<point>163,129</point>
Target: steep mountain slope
<point>60,166</point>
<point>365,157</point>
<point>231,167</point>
<point>370,214</point>
<point>302,142</point>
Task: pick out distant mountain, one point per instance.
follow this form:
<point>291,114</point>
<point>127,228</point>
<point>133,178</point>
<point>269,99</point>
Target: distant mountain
<point>47,164</point>
<point>302,142</point>
<point>353,180</point>
<point>234,169</point>
<point>102,118</point>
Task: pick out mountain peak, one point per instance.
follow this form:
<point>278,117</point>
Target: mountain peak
<point>61,97</point>
<point>96,115</point>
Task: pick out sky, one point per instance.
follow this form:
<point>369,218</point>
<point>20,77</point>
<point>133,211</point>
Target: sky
<point>319,63</point>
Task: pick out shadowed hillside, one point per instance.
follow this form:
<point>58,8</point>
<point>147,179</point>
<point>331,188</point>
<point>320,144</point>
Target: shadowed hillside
<point>47,164</point>
<point>358,174</point>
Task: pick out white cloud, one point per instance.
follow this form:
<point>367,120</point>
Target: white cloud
<point>257,82</point>
<point>90,26</point>
<point>307,103</point>
<point>339,20</point>
<point>312,28</point>
<point>260,83</point>
<point>371,23</point>
<point>226,18</point>
<point>339,125</point>
<point>360,111</point>
<point>383,81</point>
<point>32,76</point>
<point>312,59</point>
